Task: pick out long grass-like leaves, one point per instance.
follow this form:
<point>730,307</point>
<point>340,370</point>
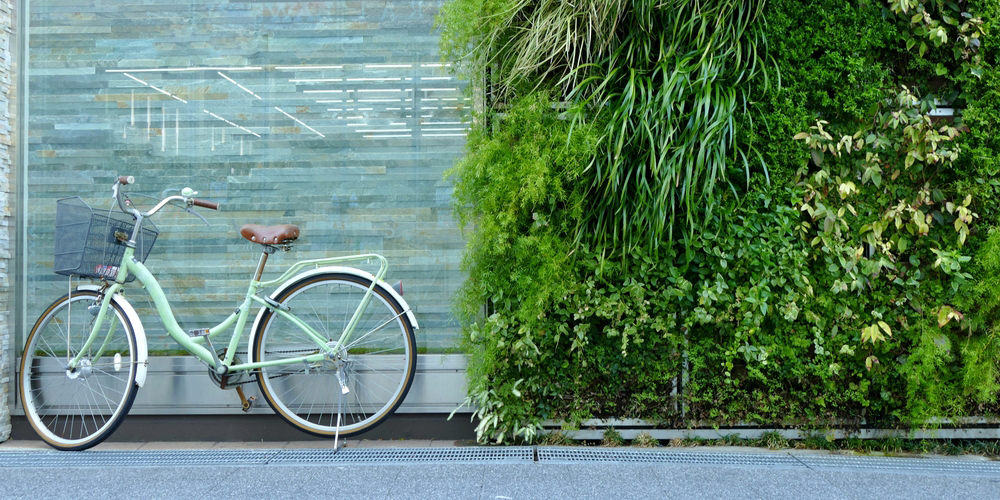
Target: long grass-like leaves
<point>664,77</point>
<point>671,135</point>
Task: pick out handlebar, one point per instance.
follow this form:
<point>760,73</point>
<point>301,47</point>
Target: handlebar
<point>211,205</point>
<point>122,202</point>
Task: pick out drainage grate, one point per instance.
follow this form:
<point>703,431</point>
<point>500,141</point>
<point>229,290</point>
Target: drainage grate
<point>882,464</point>
<point>134,458</point>
<point>569,455</point>
<point>489,455</point>
<point>472,454</point>
<point>782,460</point>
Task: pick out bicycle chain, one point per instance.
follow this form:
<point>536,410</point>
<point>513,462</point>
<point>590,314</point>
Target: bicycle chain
<point>250,381</point>
<point>254,376</point>
<point>253,379</point>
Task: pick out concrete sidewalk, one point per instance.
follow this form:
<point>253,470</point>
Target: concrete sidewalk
<point>385,469</point>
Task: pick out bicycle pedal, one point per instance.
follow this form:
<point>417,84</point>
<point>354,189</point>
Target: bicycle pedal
<point>247,402</point>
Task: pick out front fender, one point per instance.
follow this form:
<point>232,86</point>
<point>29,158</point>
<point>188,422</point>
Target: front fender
<point>141,348</point>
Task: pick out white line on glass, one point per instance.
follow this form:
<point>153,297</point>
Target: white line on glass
<point>300,122</point>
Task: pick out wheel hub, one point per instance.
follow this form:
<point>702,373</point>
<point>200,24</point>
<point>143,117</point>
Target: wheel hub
<point>83,369</point>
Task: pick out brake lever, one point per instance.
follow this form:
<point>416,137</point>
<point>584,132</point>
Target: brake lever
<point>118,196</point>
<point>196,214</point>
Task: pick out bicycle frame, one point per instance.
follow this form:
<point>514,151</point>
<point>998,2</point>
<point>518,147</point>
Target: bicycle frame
<point>236,320</point>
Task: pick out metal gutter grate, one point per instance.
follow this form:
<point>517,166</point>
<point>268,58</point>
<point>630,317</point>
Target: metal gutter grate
<point>492,455</point>
<point>776,460</point>
<point>902,464</point>
<point>471,454</point>
<point>136,458</point>
<point>580,454</point>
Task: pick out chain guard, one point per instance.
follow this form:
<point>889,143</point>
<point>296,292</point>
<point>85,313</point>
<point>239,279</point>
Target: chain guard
<point>232,380</point>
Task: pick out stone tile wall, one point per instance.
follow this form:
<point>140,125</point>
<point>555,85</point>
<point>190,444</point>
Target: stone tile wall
<point>6,384</point>
<point>345,127</point>
<point>338,116</point>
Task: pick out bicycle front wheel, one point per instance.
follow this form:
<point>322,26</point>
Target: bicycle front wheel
<point>77,408</point>
<point>362,382</point>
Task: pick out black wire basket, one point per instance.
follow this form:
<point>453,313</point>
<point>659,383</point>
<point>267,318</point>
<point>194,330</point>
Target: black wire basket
<point>89,244</point>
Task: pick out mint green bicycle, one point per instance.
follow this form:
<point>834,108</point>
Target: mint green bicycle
<point>331,348</point>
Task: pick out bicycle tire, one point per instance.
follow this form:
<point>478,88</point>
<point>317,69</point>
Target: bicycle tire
<point>377,364</point>
<point>77,409</point>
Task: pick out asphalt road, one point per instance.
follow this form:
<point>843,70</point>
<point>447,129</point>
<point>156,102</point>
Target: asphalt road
<point>386,474</point>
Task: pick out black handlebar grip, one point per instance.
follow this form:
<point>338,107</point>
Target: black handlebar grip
<point>211,205</point>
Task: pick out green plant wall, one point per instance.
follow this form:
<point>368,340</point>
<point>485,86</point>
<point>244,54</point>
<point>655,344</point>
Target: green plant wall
<point>835,266</point>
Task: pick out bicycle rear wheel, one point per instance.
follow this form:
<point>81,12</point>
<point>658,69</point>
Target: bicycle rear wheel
<point>367,378</point>
<point>75,409</point>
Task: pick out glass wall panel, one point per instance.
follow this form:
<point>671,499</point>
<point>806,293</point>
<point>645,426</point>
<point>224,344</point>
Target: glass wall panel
<point>335,116</point>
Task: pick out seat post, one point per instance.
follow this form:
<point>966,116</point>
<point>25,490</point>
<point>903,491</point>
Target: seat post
<point>268,249</point>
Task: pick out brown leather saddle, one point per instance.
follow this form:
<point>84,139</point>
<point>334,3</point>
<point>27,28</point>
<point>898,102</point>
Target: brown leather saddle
<point>270,235</point>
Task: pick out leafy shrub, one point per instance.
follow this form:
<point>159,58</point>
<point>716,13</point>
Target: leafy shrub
<point>858,286</point>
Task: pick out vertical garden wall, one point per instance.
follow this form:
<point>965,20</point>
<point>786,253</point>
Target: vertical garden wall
<point>701,213</point>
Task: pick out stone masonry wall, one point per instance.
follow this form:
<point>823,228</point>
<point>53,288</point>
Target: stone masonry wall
<point>6,385</point>
<point>337,116</point>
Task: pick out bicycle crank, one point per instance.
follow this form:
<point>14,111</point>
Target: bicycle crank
<point>230,380</point>
<point>247,402</point>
